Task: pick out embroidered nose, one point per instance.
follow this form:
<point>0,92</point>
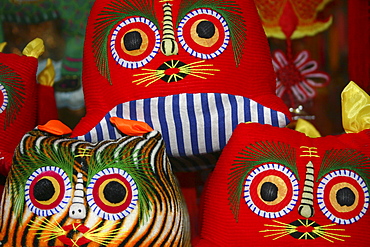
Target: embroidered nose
<point>78,209</point>
<point>305,209</point>
<point>169,45</point>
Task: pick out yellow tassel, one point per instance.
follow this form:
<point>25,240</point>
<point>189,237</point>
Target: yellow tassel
<point>307,128</point>
<point>2,45</point>
<point>47,75</point>
<point>355,108</point>
<point>35,48</point>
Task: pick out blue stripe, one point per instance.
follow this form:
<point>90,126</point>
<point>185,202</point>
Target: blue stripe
<point>99,132</point>
<point>133,115</point>
<point>274,118</point>
<point>247,110</point>
<point>193,121</point>
<point>119,110</point>
<point>163,123</point>
<point>261,117</point>
<point>88,137</point>
<point>178,124</point>
<point>234,111</point>
<point>111,133</point>
<point>207,122</point>
<point>221,120</point>
<point>147,115</point>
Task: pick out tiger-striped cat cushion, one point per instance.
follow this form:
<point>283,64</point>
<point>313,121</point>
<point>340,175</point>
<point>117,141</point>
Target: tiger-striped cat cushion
<point>67,192</point>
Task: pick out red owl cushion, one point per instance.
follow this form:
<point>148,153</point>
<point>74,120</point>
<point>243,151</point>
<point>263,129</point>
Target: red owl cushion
<point>67,192</point>
<point>190,69</point>
<point>23,102</point>
<point>278,187</point>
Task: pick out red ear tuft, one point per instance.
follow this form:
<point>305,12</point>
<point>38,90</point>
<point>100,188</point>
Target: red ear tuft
<point>55,127</point>
<point>131,127</point>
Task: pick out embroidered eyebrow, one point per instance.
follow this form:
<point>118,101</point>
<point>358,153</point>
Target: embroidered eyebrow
<point>110,16</point>
<point>254,155</point>
<point>230,11</point>
<point>349,159</point>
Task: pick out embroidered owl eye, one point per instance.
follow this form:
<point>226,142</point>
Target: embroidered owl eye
<point>203,33</point>
<point>112,194</point>
<point>47,191</point>
<point>343,196</point>
<point>3,98</point>
<point>134,42</point>
<point>271,190</point>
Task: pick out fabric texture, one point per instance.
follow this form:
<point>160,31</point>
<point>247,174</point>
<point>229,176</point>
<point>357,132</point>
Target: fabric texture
<point>65,192</point>
<point>278,187</point>
<point>209,48</point>
<point>24,103</point>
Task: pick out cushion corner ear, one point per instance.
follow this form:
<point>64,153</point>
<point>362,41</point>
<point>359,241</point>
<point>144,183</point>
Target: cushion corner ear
<point>55,127</point>
<point>131,127</point>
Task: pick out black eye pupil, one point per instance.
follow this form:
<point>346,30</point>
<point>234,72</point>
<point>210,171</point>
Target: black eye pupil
<point>345,197</point>
<point>205,29</point>
<point>269,191</point>
<point>114,192</point>
<point>43,190</point>
<point>132,41</point>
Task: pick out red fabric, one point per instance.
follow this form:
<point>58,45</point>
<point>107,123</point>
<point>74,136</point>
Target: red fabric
<point>38,103</point>
<point>359,43</point>
<point>47,107</point>
<point>219,226</point>
<point>25,120</point>
<point>253,77</point>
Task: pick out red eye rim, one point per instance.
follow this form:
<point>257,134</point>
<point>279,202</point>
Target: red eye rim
<point>194,48</point>
<point>327,185</point>
<point>257,205</point>
<point>153,42</point>
<point>64,192</point>
<point>97,204</point>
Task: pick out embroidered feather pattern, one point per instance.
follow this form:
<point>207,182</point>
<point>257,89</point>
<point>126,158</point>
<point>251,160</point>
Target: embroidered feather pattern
<point>115,12</point>
<point>254,155</point>
<point>232,14</point>
<point>349,159</point>
<point>12,84</point>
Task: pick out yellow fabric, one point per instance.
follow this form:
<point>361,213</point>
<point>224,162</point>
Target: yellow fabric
<point>2,45</point>
<point>355,108</point>
<point>307,128</point>
<point>47,75</point>
<point>34,49</point>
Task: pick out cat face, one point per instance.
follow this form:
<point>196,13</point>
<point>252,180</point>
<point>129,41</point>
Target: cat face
<point>277,186</point>
<point>65,192</point>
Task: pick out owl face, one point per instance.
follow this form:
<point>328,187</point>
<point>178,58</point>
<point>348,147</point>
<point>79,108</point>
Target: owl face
<point>276,186</point>
<point>191,69</point>
<point>65,192</point>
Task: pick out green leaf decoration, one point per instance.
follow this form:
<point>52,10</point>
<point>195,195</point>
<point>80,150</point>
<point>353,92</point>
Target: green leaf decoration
<point>134,163</point>
<point>254,155</point>
<point>349,159</point>
<point>115,12</point>
<point>232,14</point>
<point>32,159</point>
<point>13,85</point>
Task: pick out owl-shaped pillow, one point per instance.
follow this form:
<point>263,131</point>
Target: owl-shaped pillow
<point>278,187</point>
<point>192,69</point>
<point>24,103</point>
<point>67,192</point>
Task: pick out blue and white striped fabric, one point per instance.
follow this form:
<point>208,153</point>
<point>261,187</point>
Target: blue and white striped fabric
<point>191,124</point>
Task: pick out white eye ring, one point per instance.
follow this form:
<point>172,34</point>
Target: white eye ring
<point>249,199</point>
<point>31,201</point>
<point>92,201</point>
<point>321,195</point>
<point>191,51</point>
<point>114,41</point>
